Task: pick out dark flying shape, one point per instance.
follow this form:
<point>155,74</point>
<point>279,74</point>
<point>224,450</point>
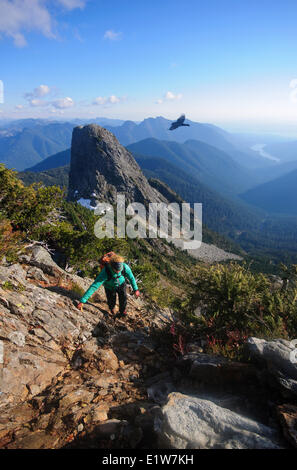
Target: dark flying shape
<point>179,123</point>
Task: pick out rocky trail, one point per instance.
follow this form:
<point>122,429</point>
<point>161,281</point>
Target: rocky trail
<point>72,379</point>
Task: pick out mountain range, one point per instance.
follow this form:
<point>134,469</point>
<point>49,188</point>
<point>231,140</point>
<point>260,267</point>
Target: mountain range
<point>31,145</point>
<point>24,143</point>
<point>158,128</point>
<point>212,166</point>
<point>278,196</point>
<point>284,151</point>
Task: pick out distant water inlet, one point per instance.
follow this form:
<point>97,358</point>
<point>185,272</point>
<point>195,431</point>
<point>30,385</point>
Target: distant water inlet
<point>259,148</point>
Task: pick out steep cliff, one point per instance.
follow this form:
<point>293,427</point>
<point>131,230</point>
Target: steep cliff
<point>101,167</point>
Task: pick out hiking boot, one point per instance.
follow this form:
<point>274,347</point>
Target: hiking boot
<point>122,315</point>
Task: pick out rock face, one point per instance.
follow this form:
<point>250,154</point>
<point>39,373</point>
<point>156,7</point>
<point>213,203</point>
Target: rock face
<point>189,422</point>
<point>67,375</point>
<point>101,167</point>
<point>83,379</point>
<point>288,419</point>
<point>280,359</point>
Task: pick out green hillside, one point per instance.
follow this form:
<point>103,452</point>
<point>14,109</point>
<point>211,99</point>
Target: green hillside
<point>277,196</point>
<point>211,166</point>
<point>32,145</point>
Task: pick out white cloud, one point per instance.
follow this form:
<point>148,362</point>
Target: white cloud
<point>40,91</point>
<point>72,4</point>
<point>102,100</point>
<point>63,103</point>
<point>293,94</point>
<point>38,103</point>
<point>19,40</point>
<point>19,107</point>
<point>293,83</point>
<point>112,35</point>
<point>58,112</point>
<point>114,99</point>
<point>169,96</point>
<point>19,16</point>
<point>36,99</point>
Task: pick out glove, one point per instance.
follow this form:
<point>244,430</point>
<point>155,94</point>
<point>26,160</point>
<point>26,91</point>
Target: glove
<point>137,293</point>
<point>80,306</point>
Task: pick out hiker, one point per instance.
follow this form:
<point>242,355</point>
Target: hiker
<point>113,276</point>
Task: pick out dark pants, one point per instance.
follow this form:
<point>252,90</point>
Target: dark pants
<point>111,296</point>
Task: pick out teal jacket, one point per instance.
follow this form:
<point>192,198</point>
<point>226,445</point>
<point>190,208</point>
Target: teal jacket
<point>115,281</point>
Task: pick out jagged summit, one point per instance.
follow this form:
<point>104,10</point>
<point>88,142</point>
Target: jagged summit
<point>101,167</point>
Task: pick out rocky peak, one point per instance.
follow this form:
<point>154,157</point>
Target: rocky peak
<point>101,167</point>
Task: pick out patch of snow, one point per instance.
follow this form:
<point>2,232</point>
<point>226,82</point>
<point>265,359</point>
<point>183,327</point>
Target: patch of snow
<point>86,203</point>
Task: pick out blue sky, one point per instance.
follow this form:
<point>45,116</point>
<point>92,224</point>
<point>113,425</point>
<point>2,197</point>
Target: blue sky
<point>228,62</point>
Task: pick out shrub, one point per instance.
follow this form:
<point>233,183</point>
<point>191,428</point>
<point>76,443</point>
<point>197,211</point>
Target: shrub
<point>77,290</point>
<point>230,303</point>
<point>26,207</point>
<point>10,241</point>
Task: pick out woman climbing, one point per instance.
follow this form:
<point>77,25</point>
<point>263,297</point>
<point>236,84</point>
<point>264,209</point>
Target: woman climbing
<point>115,272</point>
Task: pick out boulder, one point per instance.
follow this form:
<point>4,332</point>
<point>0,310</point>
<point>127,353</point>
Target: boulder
<point>279,357</point>
<point>159,391</point>
<point>218,370</point>
<point>288,418</point>
<point>37,274</point>
<point>15,272</point>
<point>43,260</point>
<point>189,422</point>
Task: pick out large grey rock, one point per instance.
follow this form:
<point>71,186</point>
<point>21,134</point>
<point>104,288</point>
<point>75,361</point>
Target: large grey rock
<point>43,260</point>
<point>14,272</point>
<point>189,422</point>
<point>36,326</point>
<point>217,370</point>
<point>278,357</point>
<point>100,167</point>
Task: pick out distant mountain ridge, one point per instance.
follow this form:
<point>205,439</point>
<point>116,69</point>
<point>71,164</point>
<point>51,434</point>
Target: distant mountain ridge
<point>54,161</point>
<point>31,145</point>
<point>285,151</point>
<point>277,196</point>
<point>211,166</point>
<point>24,143</point>
<point>158,128</point>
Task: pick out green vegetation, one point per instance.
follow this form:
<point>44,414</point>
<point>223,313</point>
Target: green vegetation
<point>54,177</point>
<point>10,242</point>
<point>7,285</point>
<point>229,303</point>
<point>223,303</point>
<point>41,213</point>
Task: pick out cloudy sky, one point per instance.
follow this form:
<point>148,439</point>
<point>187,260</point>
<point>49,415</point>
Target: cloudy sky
<point>228,62</point>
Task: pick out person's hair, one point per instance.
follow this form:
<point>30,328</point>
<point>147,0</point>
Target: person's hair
<point>117,259</point>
